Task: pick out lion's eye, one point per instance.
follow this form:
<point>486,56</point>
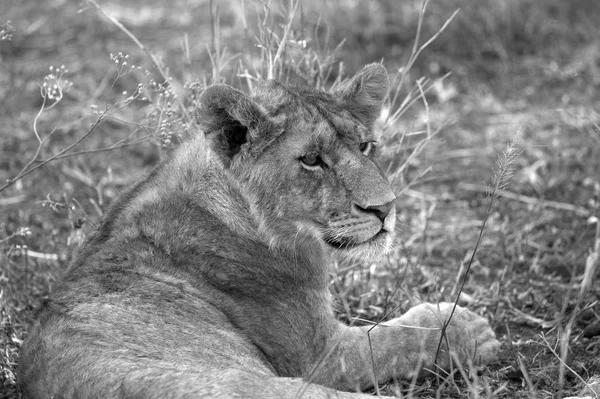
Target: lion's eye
<point>365,147</point>
<point>311,160</point>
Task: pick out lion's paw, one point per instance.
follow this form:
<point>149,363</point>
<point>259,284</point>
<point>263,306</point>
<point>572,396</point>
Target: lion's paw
<point>469,336</point>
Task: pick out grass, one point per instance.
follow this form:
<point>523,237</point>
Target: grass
<point>519,65</point>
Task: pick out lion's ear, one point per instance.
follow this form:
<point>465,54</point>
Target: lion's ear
<point>228,118</point>
<point>364,93</point>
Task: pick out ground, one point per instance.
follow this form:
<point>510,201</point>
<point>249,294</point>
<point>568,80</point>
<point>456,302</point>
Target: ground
<point>518,68</point>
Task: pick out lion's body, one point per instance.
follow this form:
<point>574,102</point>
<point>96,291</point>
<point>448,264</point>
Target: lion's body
<point>210,276</point>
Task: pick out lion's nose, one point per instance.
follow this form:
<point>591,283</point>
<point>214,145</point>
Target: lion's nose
<point>381,211</point>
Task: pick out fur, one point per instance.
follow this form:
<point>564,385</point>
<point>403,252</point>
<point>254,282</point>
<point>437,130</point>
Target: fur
<point>209,277</point>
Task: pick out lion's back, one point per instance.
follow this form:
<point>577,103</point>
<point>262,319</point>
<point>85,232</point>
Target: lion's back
<point>106,322</point>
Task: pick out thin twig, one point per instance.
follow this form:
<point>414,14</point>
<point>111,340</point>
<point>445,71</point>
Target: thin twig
<point>283,42</point>
<point>148,53</point>
<point>578,210</point>
<point>41,142</point>
<point>563,363</point>
<point>52,158</point>
<point>502,176</point>
<point>119,25</point>
<point>526,377</point>
<point>116,146</point>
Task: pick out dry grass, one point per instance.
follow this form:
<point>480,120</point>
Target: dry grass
<point>534,272</point>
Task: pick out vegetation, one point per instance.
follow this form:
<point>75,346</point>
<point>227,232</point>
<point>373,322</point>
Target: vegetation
<point>93,94</point>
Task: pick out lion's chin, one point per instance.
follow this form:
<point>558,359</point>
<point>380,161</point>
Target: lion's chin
<point>350,242</point>
<point>370,249</point>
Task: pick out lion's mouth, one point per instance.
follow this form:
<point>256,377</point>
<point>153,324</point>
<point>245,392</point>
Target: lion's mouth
<point>341,243</point>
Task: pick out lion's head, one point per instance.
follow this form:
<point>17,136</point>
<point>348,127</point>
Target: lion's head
<point>309,157</point>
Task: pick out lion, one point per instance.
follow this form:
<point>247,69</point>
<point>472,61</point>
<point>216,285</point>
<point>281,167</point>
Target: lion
<point>209,277</point>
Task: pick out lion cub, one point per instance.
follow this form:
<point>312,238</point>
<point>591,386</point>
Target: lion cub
<point>208,278</point>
